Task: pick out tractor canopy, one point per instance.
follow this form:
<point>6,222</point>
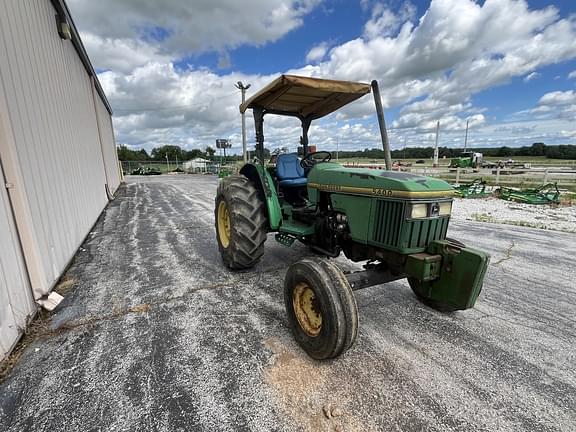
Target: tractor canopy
<point>304,97</point>
<point>333,177</point>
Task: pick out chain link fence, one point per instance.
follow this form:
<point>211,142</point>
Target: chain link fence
<point>165,167</point>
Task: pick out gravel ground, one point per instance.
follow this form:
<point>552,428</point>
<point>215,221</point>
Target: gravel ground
<point>158,336</point>
<point>504,212</point>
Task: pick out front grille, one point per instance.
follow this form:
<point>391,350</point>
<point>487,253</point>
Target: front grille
<point>388,219</point>
<point>422,232</point>
<point>393,231</point>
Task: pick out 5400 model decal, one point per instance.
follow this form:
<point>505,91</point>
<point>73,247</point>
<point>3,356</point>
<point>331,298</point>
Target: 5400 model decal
<point>379,192</point>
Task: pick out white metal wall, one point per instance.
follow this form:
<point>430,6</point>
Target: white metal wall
<point>52,149</point>
<point>108,144</point>
<point>16,303</point>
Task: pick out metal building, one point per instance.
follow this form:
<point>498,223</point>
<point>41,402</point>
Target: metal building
<point>58,162</point>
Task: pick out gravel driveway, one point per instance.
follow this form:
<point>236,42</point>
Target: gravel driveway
<point>158,336</point>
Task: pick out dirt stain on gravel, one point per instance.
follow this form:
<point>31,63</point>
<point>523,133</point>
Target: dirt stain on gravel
<point>306,391</point>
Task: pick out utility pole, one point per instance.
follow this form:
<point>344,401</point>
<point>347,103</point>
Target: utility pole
<point>405,138</point>
<point>243,89</point>
<point>167,164</point>
<point>337,147</point>
<point>466,136</point>
<point>435,162</point>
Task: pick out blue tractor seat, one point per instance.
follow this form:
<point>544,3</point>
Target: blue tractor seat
<point>289,171</point>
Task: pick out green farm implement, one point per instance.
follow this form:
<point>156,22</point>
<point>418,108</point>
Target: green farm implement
<point>224,172</point>
<point>546,194</point>
<point>394,222</point>
<point>467,160</point>
<point>146,171</point>
<point>476,189</point>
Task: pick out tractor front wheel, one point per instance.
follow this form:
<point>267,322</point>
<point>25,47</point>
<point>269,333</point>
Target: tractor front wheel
<point>241,223</point>
<point>321,308</point>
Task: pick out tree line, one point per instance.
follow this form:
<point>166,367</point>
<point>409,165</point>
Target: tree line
<point>158,154</point>
<point>536,149</point>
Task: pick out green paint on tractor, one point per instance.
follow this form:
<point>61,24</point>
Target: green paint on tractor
<point>395,223</point>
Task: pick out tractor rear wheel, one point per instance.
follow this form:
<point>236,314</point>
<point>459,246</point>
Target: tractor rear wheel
<point>241,223</point>
<point>321,308</point>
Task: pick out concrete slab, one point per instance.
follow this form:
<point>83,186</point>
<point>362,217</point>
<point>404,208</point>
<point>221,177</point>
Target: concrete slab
<point>158,336</point>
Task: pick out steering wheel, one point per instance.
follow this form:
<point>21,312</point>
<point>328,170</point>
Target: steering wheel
<point>309,160</point>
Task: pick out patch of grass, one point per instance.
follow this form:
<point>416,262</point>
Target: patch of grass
<point>37,327</point>
<point>483,217</point>
<point>65,285</point>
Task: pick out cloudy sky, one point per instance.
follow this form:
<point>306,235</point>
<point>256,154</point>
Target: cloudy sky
<point>169,68</point>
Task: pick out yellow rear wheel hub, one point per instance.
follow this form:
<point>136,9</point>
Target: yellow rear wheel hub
<point>223,224</point>
<point>307,309</point>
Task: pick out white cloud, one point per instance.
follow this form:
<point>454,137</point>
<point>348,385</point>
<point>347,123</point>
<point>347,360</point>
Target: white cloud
<point>120,54</point>
<point>531,76</point>
<point>317,52</point>
<point>430,68</point>
<point>572,74</point>
<point>558,105</point>
<point>558,98</point>
<point>385,22</point>
<point>177,28</point>
<point>458,48</point>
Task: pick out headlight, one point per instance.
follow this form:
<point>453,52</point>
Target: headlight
<point>419,211</point>
<point>445,208</point>
<point>427,210</point>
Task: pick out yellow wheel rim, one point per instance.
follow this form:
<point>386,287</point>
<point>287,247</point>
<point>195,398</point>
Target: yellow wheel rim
<point>307,309</point>
<point>223,224</point>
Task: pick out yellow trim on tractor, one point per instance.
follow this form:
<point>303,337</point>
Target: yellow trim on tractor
<point>379,191</point>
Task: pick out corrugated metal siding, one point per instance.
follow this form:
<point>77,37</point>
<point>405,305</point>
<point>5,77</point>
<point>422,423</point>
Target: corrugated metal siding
<point>16,303</point>
<point>108,145</point>
<point>54,125</point>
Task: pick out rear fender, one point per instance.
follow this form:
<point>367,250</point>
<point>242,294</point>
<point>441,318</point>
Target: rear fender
<point>263,181</point>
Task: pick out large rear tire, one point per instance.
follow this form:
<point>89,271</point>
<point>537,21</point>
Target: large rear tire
<point>321,308</point>
<point>241,223</point>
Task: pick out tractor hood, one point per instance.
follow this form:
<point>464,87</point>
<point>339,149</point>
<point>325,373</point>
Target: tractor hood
<point>333,177</point>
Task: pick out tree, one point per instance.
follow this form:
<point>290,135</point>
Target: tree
<point>126,154</point>
<point>538,149</point>
<point>192,154</point>
<point>210,151</point>
<point>173,152</point>
<point>561,152</point>
<point>504,151</point>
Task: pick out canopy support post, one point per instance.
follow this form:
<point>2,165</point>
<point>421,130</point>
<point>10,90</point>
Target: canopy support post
<point>304,138</point>
<point>382,124</point>
<point>259,125</point>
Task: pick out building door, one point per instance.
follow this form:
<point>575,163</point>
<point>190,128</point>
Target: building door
<point>16,302</point>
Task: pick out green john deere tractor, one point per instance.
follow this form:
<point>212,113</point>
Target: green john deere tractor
<point>394,222</point>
